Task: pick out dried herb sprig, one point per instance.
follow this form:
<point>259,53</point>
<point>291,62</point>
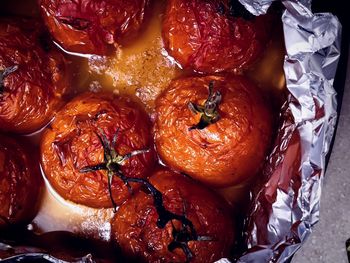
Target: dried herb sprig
<point>182,236</point>
<point>209,111</point>
<point>112,162</point>
<point>3,74</point>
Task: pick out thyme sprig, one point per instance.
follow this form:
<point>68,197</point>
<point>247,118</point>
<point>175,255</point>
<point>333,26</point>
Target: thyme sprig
<point>209,111</point>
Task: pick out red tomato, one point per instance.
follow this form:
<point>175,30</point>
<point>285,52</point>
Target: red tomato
<point>194,225</point>
<point>208,36</point>
<point>86,145</point>
<point>32,77</point>
<point>20,183</point>
<point>220,139</point>
<point>93,26</point>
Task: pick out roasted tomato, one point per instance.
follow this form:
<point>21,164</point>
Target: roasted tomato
<point>32,77</point>
<point>220,139</point>
<point>93,26</point>
<point>20,183</point>
<point>93,143</point>
<point>174,220</point>
<point>211,36</point>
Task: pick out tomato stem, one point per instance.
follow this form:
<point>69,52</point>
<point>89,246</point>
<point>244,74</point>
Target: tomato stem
<point>112,162</point>
<point>209,111</point>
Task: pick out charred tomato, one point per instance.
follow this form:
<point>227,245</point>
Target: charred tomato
<point>93,26</point>
<point>216,129</point>
<point>20,183</point>
<point>94,141</point>
<point>174,219</point>
<point>32,77</point>
<point>213,35</point>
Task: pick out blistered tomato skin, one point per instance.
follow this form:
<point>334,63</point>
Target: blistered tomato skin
<point>226,152</point>
<point>20,183</point>
<point>93,26</point>
<point>135,229</point>
<point>205,35</point>
<point>33,77</point>
<point>73,142</point>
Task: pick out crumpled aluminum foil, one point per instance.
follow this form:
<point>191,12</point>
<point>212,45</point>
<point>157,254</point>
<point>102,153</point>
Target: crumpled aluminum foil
<point>287,207</point>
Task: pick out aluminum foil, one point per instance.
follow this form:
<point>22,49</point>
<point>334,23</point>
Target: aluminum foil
<point>287,207</point>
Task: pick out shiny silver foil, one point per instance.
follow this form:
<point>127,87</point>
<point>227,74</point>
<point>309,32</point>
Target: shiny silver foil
<point>287,207</point>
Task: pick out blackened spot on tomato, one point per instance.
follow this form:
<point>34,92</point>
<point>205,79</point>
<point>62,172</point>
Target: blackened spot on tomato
<point>221,8</point>
<point>45,41</point>
<point>76,23</point>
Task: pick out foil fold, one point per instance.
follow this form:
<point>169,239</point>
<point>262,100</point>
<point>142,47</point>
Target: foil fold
<point>287,207</point>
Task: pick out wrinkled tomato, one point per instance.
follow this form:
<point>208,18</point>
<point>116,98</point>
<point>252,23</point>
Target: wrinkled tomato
<point>85,151</point>
<point>211,36</point>
<point>93,26</point>
<point>32,76</point>
<point>215,129</point>
<point>194,225</point>
<point>20,183</point>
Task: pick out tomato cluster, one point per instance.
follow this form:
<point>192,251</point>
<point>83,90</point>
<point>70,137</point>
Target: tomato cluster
<point>101,149</point>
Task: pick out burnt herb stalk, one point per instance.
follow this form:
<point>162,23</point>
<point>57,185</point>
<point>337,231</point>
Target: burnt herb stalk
<point>209,111</point>
<point>112,164</point>
<point>181,236</point>
<point>3,74</point>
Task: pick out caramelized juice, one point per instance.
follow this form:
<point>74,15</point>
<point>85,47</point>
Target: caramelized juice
<point>142,69</point>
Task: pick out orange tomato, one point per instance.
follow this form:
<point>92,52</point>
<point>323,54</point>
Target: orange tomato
<point>93,26</point>
<point>194,224</point>
<point>232,145</point>
<point>210,36</point>
<point>20,183</point>
<point>33,77</point>
<point>84,153</point>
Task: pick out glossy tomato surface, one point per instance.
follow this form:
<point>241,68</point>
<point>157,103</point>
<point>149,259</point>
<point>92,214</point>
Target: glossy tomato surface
<point>20,183</point>
<point>226,152</point>
<point>73,142</point>
<point>93,26</point>
<point>135,228</point>
<point>209,36</point>
<point>33,76</point>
